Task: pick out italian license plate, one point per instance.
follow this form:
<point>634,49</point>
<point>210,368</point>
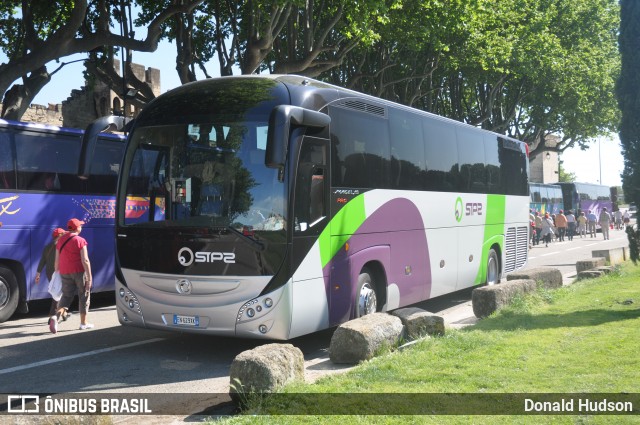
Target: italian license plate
<point>186,320</point>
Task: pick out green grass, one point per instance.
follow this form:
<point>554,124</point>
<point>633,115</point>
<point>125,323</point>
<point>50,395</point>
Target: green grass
<point>579,339</point>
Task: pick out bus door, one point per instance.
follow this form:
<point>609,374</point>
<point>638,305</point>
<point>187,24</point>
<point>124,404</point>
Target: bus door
<point>310,217</point>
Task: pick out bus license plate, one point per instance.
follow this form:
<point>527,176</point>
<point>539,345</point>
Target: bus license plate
<point>186,320</point>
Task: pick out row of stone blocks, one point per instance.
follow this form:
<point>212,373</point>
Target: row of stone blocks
<point>488,299</point>
<point>267,368</point>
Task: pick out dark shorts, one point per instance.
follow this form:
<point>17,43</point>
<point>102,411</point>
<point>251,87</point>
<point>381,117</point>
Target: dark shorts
<point>72,285</point>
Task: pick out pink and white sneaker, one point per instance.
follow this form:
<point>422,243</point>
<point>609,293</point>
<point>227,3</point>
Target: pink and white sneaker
<point>53,324</point>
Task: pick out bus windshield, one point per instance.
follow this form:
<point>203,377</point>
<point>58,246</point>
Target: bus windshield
<point>206,174</point>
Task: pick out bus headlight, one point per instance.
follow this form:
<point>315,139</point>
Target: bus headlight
<point>255,308</point>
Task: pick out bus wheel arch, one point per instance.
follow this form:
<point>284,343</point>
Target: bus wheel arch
<point>371,292</point>
<point>493,266</point>
<point>9,293</point>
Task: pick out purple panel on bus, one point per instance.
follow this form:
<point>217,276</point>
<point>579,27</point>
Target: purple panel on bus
<point>393,236</point>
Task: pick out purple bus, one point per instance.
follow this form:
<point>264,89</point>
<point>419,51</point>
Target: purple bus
<point>39,191</point>
<point>584,197</point>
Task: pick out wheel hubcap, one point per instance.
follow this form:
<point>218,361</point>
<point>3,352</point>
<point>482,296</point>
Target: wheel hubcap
<point>367,301</point>
<point>4,293</point>
<point>492,271</point>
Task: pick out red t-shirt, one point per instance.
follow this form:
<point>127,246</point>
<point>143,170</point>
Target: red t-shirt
<point>69,260</point>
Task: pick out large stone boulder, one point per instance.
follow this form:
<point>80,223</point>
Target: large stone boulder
<point>487,299</point>
<point>547,277</point>
<point>418,323</point>
<point>360,339</point>
<point>589,264</point>
<point>266,368</point>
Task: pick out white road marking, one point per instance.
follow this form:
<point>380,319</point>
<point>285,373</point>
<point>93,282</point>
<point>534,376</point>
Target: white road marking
<point>76,356</point>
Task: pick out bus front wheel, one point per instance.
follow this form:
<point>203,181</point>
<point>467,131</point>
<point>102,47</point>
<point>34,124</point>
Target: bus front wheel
<point>8,294</point>
<point>493,268</point>
<point>366,301</point>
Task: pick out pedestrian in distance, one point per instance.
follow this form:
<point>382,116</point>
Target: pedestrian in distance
<point>591,223</point>
<point>582,225</point>
<point>547,229</point>
<point>626,218</point>
<point>571,224</point>
<point>617,219</point>
<point>561,224</point>
<point>72,261</point>
<point>605,222</point>
<point>532,228</point>
<point>538,228</point>
<point>48,263</point>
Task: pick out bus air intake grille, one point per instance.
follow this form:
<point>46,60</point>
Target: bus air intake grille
<point>516,242</point>
<point>522,246</point>
<point>369,108</point>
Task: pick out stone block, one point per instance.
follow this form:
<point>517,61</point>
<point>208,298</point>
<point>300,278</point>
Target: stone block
<point>487,299</point>
<point>612,255</point>
<point>604,269</point>
<point>548,277</point>
<point>266,368</point>
<point>589,264</point>
<point>360,339</point>
<point>418,323</point>
<point>590,274</point>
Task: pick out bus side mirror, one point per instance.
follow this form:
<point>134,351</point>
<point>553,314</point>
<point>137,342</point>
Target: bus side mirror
<point>282,118</point>
<point>90,139</point>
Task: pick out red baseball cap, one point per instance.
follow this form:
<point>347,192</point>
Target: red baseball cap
<point>57,232</point>
<point>74,223</point>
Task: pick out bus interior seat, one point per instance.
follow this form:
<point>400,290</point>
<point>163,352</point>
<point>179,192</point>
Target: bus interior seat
<point>210,200</point>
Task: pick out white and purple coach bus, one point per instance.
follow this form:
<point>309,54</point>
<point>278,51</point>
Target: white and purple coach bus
<point>289,206</point>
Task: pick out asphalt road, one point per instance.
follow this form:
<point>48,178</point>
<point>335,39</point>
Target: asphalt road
<point>194,368</point>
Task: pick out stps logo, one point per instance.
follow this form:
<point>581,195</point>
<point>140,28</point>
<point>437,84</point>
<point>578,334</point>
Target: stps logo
<point>186,257</point>
<point>470,208</point>
<point>459,209</point>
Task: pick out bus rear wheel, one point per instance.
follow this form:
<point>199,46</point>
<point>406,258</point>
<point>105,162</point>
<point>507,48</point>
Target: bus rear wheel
<point>493,268</point>
<point>367,300</point>
<point>8,294</point>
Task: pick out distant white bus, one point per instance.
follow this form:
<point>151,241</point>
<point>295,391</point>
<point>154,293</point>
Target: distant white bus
<point>280,206</point>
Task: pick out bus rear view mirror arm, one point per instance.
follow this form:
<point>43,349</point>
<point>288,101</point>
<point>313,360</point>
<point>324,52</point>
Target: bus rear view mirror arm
<point>90,138</point>
<point>282,118</point>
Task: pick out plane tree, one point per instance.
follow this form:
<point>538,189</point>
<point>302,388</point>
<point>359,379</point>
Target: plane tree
<point>524,68</point>
<point>35,34</point>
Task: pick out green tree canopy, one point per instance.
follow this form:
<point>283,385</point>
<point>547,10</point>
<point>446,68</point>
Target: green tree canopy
<point>628,94</point>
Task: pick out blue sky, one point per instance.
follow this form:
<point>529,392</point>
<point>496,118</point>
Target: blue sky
<point>586,165</point>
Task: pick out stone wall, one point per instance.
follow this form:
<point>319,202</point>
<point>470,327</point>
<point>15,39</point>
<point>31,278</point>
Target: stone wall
<point>88,103</point>
<point>50,114</point>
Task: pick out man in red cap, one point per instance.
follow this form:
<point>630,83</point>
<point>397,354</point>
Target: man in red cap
<point>48,259</point>
<point>72,261</point>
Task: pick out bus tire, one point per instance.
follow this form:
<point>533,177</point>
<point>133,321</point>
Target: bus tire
<point>493,268</point>
<point>366,297</point>
<point>9,293</point>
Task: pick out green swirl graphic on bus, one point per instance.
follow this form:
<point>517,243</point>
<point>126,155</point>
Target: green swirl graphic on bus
<point>459,209</point>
